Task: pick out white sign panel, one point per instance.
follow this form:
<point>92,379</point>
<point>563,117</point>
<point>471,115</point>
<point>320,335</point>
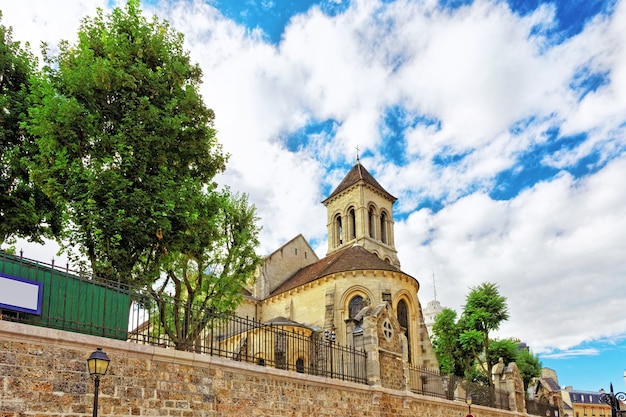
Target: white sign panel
<point>20,294</point>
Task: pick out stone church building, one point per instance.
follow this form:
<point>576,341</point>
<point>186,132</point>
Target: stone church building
<point>359,276</point>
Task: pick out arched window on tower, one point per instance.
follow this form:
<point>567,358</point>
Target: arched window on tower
<point>372,222</point>
<point>352,215</point>
<point>403,319</point>
<point>383,227</point>
<point>338,231</point>
<point>355,305</point>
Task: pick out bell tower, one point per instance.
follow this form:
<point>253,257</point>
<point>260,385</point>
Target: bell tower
<point>360,211</point>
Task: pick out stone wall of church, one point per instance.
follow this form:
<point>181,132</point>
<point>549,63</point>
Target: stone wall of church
<point>43,373</point>
<point>307,304</point>
<point>390,367</point>
<point>303,305</point>
<point>281,264</point>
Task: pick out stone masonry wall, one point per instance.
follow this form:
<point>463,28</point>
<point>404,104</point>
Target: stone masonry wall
<point>43,374</point>
<point>390,367</point>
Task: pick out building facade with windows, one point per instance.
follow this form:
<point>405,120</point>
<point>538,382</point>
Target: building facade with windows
<point>577,403</point>
<point>361,272</point>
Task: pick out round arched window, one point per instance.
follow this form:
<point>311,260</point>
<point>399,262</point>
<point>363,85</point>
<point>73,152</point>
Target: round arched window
<point>403,319</point>
<point>355,305</point>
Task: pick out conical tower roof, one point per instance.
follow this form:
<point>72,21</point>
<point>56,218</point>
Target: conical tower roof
<point>359,173</point>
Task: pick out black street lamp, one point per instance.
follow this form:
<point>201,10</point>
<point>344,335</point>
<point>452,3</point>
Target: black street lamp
<point>614,400</point>
<point>330,338</point>
<point>97,364</point>
<point>468,400</point>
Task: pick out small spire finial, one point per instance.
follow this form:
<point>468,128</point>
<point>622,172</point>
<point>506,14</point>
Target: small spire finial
<point>357,153</point>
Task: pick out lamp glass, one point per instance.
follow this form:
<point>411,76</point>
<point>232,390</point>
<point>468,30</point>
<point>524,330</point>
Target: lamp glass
<point>468,399</point>
<point>98,363</point>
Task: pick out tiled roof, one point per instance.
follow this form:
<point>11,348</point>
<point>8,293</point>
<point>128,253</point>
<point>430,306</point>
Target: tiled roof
<point>551,384</point>
<point>353,258</point>
<point>283,321</point>
<point>356,174</point>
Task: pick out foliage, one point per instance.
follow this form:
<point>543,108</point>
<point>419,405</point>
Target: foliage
<point>485,309</point>
<point>529,366</point>
<point>452,358</point>
<point>204,279</point>
<point>503,348</point>
<point>126,144</point>
<point>124,140</point>
<point>445,334</point>
<point>25,211</point>
<point>464,346</point>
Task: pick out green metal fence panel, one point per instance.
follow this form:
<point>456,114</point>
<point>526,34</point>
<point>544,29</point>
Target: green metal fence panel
<point>72,302</point>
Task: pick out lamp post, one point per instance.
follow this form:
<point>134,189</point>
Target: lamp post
<point>468,400</point>
<point>97,364</point>
<point>330,338</point>
<point>614,399</point>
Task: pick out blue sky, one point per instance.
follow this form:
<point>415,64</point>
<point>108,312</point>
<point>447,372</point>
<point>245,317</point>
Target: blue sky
<point>500,126</point>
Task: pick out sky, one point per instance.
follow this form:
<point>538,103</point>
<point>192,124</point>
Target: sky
<point>500,126</point>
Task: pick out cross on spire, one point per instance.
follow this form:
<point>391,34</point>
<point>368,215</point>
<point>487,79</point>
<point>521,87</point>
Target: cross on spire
<point>357,153</point>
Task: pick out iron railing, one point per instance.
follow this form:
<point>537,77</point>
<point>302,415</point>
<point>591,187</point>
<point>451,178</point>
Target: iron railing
<point>77,302</point>
<point>70,300</point>
<point>281,344</point>
<point>430,382</point>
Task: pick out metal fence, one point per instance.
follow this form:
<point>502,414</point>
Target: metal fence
<point>77,302</point>
<point>70,300</point>
<point>281,344</point>
<point>430,382</point>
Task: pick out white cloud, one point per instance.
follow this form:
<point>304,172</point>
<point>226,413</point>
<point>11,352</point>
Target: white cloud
<point>556,250</point>
<point>572,353</point>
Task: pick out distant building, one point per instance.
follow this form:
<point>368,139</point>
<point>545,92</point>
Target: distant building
<point>584,403</point>
<point>548,392</point>
<point>430,312</point>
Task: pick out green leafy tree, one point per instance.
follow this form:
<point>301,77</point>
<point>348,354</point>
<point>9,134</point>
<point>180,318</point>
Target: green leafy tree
<point>124,139</point>
<point>502,348</point>
<point>485,310</point>
<point>127,145</point>
<point>445,341</point>
<point>206,278</point>
<point>25,211</point>
<point>453,359</point>
<point>461,347</point>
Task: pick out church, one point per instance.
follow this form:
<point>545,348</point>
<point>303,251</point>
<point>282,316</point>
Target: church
<point>360,272</point>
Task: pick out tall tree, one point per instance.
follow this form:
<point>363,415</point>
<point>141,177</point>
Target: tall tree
<point>207,276</point>
<point>452,360</point>
<point>124,139</point>
<point>25,211</point>
<point>127,145</point>
<point>485,310</point>
<point>464,348</point>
